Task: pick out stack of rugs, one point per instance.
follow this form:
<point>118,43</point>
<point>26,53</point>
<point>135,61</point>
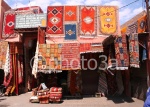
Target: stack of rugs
<point>55,94</point>
<point>44,96</point>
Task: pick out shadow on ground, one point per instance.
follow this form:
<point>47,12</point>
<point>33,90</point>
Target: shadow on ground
<point>4,105</point>
<point>120,99</point>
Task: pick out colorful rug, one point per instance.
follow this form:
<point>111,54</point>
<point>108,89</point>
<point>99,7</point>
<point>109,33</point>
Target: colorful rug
<point>9,24</point>
<point>70,32</point>
<point>70,13</point>
<point>3,53</point>
<point>55,20</point>
<point>108,20</point>
<point>70,56</point>
<point>132,28</point>
<point>142,24</point>
<point>134,50</point>
<point>121,51</point>
<point>88,21</point>
<point>49,57</point>
<point>7,62</point>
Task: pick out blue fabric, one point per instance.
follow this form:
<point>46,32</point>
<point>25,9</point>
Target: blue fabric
<point>144,55</point>
<point>147,101</point>
<point>70,31</point>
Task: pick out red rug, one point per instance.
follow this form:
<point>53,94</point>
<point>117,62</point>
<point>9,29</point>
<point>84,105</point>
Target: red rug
<point>70,56</point>
<point>70,13</point>
<point>85,47</point>
<point>9,24</point>
<point>55,20</point>
<point>88,20</point>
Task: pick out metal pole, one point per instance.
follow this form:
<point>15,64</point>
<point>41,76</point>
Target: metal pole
<point>148,43</point>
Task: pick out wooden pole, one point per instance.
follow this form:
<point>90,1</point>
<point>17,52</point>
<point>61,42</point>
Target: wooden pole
<point>148,43</point>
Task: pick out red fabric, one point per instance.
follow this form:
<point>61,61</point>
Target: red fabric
<point>9,22</point>
<point>88,21</point>
<point>55,89</point>
<point>70,13</point>
<point>70,56</point>
<point>8,78</point>
<point>20,72</point>
<point>86,47</point>
<point>41,36</point>
<point>55,20</point>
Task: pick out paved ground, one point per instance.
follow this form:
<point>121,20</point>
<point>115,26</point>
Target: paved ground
<point>23,101</point>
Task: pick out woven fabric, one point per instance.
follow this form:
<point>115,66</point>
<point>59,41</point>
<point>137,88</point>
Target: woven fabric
<point>70,13</point>
<point>102,83</point>
<point>121,51</point>
<point>132,28</point>
<point>3,53</point>
<point>70,56</point>
<point>85,47</point>
<point>108,20</point>
<point>70,32</point>
<point>9,24</point>
<point>7,63</point>
<point>55,20</point>
<point>88,21</point>
<point>49,56</point>
<point>134,50</point>
<point>141,24</point>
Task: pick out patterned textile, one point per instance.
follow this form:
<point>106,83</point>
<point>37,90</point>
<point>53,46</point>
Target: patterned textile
<point>35,63</point>
<point>121,51</point>
<point>102,83</point>
<point>134,50</point>
<point>7,63</point>
<point>70,56</point>
<point>96,47</point>
<point>49,56</point>
<point>88,21</point>
<point>70,31</point>
<point>108,20</point>
<point>8,78</point>
<point>9,24</point>
<point>55,20</point>
<point>70,13</point>
<point>132,28</point>
<point>85,47</point>
<point>91,47</point>
<point>141,24</point>
<point>3,53</point>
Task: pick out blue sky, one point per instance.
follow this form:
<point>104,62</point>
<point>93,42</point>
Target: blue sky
<point>125,13</point>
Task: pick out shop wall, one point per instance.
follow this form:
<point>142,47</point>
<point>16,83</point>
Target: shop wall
<point>3,7</point>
